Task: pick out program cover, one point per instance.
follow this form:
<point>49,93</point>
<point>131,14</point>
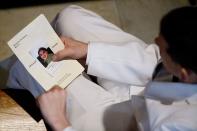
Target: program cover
<point>35,45</point>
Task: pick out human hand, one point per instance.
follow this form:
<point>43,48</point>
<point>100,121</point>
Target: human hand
<point>53,108</point>
<point>73,49</point>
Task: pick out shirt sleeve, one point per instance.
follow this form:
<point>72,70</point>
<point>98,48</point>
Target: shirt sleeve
<point>178,116</point>
<point>69,129</point>
<point>131,62</point>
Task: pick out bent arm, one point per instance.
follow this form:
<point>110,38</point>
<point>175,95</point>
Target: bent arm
<point>130,62</point>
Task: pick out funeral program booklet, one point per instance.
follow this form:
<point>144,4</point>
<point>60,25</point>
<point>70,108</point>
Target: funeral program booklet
<point>35,45</point>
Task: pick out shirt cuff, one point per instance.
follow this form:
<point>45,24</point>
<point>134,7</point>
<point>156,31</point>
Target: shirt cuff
<point>69,128</point>
<point>88,54</point>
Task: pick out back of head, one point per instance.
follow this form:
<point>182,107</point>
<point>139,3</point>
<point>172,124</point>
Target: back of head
<point>179,29</point>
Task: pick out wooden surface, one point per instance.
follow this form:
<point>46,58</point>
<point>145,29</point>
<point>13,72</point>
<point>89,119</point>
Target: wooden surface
<point>14,118</point>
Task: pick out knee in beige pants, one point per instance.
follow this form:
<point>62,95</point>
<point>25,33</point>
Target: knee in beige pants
<point>86,26</point>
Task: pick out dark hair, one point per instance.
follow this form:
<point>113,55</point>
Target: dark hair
<point>41,48</point>
<point>179,29</point>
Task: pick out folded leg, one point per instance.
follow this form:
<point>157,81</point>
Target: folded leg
<point>86,26</point>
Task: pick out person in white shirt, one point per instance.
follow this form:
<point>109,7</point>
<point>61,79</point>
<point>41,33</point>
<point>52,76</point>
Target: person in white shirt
<point>123,65</point>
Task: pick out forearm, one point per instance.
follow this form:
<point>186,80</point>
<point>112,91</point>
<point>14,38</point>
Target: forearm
<point>131,63</point>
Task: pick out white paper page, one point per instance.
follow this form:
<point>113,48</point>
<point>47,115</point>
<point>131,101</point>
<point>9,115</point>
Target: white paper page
<point>34,47</point>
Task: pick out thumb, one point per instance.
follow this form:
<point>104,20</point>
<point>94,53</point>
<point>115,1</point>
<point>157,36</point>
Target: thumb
<point>61,55</point>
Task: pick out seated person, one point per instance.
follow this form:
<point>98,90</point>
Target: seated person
<point>123,64</point>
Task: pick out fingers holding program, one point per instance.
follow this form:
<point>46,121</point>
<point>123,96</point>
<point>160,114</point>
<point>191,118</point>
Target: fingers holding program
<point>53,107</point>
<point>73,49</point>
